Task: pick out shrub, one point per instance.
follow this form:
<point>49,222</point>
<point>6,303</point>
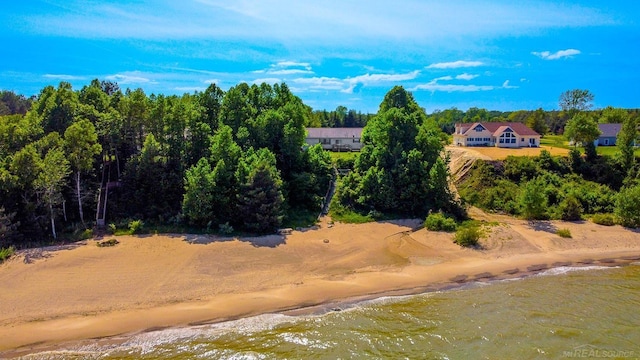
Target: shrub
<point>225,229</point>
<point>467,236</point>
<point>135,226</point>
<point>6,253</point>
<point>628,206</point>
<point>564,233</point>
<point>112,228</point>
<point>439,222</point>
<point>533,200</point>
<point>604,219</point>
<point>570,208</point>
<point>86,234</point>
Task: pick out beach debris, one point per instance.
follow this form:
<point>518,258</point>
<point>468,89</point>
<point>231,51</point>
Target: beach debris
<point>285,231</point>
<point>105,243</point>
<point>336,309</point>
<point>326,241</point>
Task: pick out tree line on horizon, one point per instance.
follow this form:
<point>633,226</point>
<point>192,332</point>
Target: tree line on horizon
<point>217,160</point>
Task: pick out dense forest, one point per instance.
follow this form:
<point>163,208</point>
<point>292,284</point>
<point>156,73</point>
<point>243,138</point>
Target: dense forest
<point>213,160</point>
<point>219,160</point>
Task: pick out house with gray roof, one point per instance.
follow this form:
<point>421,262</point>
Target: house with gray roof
<point>608,134</point>
<point>335,139</point>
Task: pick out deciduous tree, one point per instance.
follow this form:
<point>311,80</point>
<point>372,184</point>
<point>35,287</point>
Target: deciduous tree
<point>81,144</point>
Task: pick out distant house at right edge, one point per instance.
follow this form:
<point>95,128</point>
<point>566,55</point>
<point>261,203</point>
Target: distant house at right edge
<point>608,134</point>
<point>498,134</point>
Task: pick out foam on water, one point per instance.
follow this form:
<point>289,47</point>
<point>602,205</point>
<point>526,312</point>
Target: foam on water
<point>567,269</point>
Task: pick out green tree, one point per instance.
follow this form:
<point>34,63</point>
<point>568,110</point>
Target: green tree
<point>81,143</point>
<point>576,100</point>
<point>50,180</point>
<point>627,207</point>
<point>8,228</point>
<point>537,121</point>
<point>199,193</point>
<point>398,169</point>
<point>260,196</point>
<point>611,115</point>
<point>533,201</point>
<point>626,141</point>
<point>582,128</point>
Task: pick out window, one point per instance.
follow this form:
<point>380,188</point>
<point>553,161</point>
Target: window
<point>356,140</point>
<point>478,128</point>
<point>522,139</point>
<point>508,137</point>
<point>337,141</point>
<point>326,141</point>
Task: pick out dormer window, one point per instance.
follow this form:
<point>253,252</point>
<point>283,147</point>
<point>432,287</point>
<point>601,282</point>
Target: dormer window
<point>478,128</point>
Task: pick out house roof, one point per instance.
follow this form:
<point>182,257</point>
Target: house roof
<point>609,130</point>
<point>499,127</point>
<point>334,133</point>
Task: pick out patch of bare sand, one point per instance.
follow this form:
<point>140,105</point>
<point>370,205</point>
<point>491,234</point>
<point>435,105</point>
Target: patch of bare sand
<point>495,153</point>
<point>156,281</point>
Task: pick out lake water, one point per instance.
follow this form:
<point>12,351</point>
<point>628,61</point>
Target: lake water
<point>562,313</point>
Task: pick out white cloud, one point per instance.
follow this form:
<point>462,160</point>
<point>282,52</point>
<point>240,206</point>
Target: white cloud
<point>284,64</point>
<point>289,72</point>
<point>546,55</point>
<point>351,84</point>
<point>211,81</point>
<point>466,76</point>
<point>330,20</point>
<point>124,79</point>
<point>452,87</point>
<point>374,78</point>
<point>455,64</point>
<point>64,77</point>
<point>444,78</point>
<point>433,86</point>
<point>267,80</point>
<point>506,85</point>
<point>321,83</point>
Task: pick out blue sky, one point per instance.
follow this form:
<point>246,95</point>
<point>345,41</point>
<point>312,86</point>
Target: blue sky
<point>499,55</point>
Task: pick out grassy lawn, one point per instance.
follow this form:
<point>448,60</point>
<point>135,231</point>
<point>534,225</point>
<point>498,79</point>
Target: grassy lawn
<point>555,141</point>
<point>351,155</point>
<point>561,142</point>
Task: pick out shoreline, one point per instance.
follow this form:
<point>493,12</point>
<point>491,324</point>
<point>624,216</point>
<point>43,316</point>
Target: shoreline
<point>315,310</point>
<point>352,269</point>
<point>318,309</point>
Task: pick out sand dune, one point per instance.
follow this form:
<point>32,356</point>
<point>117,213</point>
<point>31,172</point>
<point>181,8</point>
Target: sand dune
<point>82,291</point>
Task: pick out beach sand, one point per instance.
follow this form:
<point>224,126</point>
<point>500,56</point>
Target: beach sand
<point>54,296</point>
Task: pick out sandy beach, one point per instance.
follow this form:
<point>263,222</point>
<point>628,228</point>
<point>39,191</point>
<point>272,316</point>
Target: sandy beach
<point>53,296</point>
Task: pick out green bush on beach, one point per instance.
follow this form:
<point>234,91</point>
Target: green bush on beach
<point>467,236</point>
<point>604,219</point>
<point>6,253</point>
<point>440,222</point>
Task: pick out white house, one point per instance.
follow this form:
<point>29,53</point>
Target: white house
<point>336,139</point>
<point>499,134</point>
